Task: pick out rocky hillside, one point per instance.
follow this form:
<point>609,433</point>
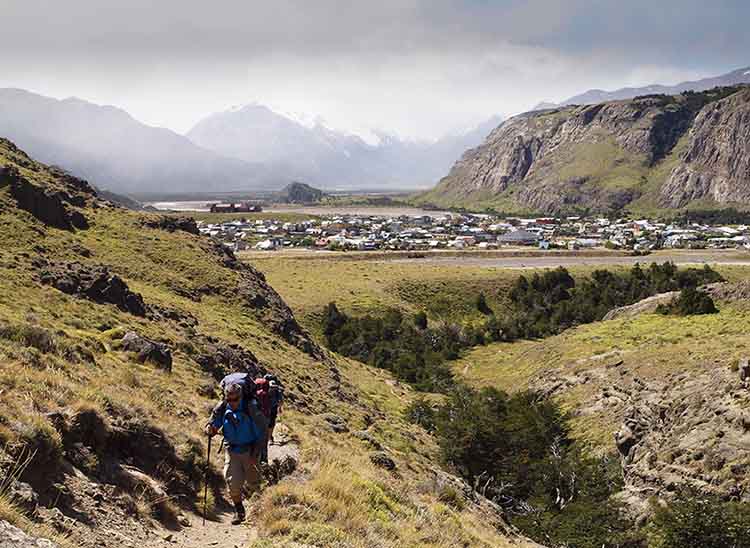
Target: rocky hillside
<point>649,152</point>
<point>300,193</point>
<point>114,328</point>
<point>670,395</point>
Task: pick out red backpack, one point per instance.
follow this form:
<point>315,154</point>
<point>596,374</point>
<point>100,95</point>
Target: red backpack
<point>263,396</point>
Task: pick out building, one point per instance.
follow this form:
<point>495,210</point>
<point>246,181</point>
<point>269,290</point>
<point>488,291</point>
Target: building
<point>518,237</point>
<point>236,207</point>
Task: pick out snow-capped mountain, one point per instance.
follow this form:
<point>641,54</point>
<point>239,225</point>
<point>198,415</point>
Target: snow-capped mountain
<point>305,148</point>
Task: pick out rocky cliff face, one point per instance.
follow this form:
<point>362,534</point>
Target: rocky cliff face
<point>716,164</point>
<point>603,157</point>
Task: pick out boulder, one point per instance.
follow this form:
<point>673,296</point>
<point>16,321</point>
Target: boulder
<point>95,283</point>
<point>335,423</point>
<point>148,350</point>
<point>382,460</point>
<point>172,224</point>
<point>625,440</point>
<point>13,537</point>
<point>744,368</point>
<point>365,436</point>
<point>24,496</point>
<point>220,359</point>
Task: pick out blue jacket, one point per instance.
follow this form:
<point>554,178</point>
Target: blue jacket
<point>240,431</point>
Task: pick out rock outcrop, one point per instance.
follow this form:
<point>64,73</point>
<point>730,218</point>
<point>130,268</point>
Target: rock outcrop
<point>301,193</point>
<point>602,157</point>
<point>172,224</point>
<point>13,537</point>
<point>686,429</point>
<point>147,350</point>
<point>53,208</point>
<point>716,164</point>
<point>95,283</point>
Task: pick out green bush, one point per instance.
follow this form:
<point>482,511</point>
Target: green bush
<point>29,335</point>
<point>39,438</point>
<point>482,306</point>
<point>421,412</point>
<point>516,450</point>
<point>689,302</point>
<point>549,303</point>
<point>394,342</point>
<point>452,497</point>
<point>700,521</point>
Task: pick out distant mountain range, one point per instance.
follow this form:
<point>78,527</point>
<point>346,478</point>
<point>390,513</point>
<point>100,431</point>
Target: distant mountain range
<point>594,96</point>
<point>332,159</point>
<point>245,149</point>
<point>114,150</point>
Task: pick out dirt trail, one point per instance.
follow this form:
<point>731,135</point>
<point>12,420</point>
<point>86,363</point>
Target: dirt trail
<point>220,531</point>
<point>215,533</point>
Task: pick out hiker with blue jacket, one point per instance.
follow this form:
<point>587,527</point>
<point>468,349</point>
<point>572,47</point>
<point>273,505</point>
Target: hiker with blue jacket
<point>243,428</point>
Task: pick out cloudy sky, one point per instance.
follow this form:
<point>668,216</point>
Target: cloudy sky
<point>420,68</point>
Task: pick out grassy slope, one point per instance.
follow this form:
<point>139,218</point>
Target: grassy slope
<point>365,286</point>
<point>339,494</point>
<point>652,347</point>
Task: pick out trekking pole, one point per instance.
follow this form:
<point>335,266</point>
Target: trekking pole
<point>205,479</point>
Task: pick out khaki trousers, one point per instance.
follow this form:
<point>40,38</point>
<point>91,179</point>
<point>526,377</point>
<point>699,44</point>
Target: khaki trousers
<point>241,471</point>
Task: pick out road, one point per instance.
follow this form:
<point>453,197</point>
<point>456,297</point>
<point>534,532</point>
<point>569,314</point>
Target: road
<point>551,260</point>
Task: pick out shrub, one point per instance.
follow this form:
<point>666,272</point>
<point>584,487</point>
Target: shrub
<point>452,497</point>
<point>420,319</point>
<point>421,412</point>
<point>689,302</point>
<point>29,335</point>
<point>393,342</point>
<point>517,451</point>
<point>701,521</point>
<point>40,439</point>
<point>549,303</point>
<point>482,306</point>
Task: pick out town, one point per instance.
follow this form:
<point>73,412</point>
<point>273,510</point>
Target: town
<point>476,231</point>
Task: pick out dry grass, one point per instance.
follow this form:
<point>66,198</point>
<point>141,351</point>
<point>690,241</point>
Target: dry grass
<point>63,353</point>
<point>347,502</point>
<point>652,347</point>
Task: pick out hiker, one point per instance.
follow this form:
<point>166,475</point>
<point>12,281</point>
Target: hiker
<point>263,397</point>
<point>243,429</point>
<point>276,393</point>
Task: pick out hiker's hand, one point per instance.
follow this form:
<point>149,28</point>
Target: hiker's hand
<point>211,430</point>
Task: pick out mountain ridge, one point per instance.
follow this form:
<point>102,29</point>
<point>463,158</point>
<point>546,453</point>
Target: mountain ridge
<point>605,157</point>
<point>260,149</point>
<point>592,96</point>
<point>107,144</point>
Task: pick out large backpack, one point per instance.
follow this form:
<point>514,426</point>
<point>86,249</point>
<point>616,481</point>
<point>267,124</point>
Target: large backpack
<point>276,391</point>
<point>263,396</point>
<point>244,380</point>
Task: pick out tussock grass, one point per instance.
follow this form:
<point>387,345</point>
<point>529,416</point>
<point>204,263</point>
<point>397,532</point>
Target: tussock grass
<point>348,502</point>
<point>61,353</point>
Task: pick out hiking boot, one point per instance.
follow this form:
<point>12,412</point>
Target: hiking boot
<point>239,513</point>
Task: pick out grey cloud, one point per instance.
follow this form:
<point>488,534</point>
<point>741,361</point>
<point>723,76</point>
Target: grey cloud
<point>418,66</point>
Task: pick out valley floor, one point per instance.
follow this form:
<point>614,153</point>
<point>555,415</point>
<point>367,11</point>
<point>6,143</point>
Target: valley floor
<point>673,380</point>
